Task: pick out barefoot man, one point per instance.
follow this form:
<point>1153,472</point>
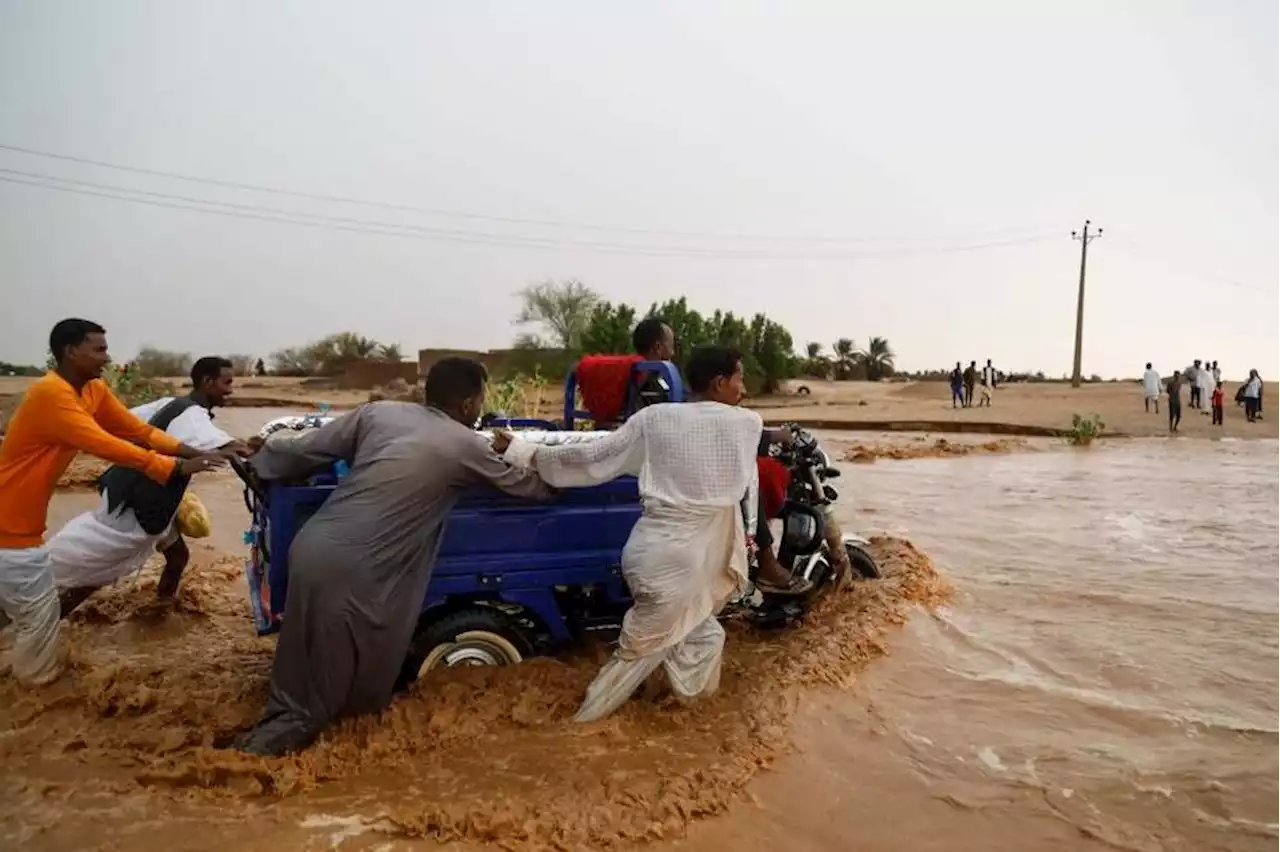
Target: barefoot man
<point>136,517</point>
<point>686,556</point>
<point>70,410</point>
<point>358,570</point>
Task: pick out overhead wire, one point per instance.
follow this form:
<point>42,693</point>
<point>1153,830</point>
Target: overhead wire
<point>1136,250</point>
<point>511,220</point>
<point>395,229</point>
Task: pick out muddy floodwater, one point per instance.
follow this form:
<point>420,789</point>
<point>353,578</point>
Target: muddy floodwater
<point>1092,665</point>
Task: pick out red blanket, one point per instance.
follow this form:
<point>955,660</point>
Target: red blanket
<point>774,479</point>
<point>603,382</point>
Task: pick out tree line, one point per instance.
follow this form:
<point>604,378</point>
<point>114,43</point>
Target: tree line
<point>579,320</point>
<point>848,362</point>
<point>330,355</point>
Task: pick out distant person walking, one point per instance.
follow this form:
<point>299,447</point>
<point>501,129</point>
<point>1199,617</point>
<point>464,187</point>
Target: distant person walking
<point>957,387</point>
<point>970,379</point>
<point>1151,390</point>
<point>1217,404</point>
<point>1174,389</point>
<point>988,384</point>
<point>1252,393</point>
<point>1193,379</point>
<point>1206,383</point>
<point>1217,374</point>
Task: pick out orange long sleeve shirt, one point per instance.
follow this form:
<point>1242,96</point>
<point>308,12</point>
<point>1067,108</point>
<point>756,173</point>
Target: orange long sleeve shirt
<point>54,423</point>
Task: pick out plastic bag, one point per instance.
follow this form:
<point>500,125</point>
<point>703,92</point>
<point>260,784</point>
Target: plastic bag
<point>192,519</point>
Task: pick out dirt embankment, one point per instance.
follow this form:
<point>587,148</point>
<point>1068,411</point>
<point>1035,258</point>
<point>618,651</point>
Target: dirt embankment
<point>937,449</point>
<point>120,753</point>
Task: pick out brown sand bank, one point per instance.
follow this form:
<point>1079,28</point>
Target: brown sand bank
<point>1024,409</point>
<point>924,448</point>
<point>480,754</point>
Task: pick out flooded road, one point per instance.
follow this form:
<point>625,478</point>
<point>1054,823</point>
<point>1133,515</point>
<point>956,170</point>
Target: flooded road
<point>1103,677</point>
<point>1109,660</point>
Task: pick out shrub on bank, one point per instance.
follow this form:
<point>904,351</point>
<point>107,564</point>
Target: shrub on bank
<point>1084,429</point>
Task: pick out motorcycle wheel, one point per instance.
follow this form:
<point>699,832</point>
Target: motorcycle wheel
<point>864,567</point>
<point>862,562</point>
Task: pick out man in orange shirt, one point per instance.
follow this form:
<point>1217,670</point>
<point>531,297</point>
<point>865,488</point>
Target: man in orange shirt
<point>69,410</point>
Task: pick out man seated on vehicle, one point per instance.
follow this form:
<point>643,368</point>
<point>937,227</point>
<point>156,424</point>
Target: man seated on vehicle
<point>686,556</point>
<point>654,340</point>
<point>359,568</point>
<point>134,519</point>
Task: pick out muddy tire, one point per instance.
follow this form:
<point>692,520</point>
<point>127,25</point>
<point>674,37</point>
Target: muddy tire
<point>476,636</point>
<point>863,565</point>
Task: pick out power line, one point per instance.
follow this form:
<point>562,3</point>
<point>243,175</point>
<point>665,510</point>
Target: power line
<point>511,220</point>
<point>269,214</point>
<point>1135,249</point>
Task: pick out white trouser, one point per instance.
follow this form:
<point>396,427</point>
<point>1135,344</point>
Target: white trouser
<point>100,547</point>
<point>29,598</point>
<point>692,666</point>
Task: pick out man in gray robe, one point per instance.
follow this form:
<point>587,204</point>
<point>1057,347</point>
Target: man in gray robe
<point>359,567</point>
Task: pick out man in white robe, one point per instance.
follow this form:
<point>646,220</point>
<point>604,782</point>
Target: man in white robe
<point>686,556</point>
<point>99,547</point>
<point>1151,389</point>
<point>1206,383</point>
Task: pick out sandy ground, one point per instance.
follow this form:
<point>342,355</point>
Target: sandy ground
<point>918,406</point>
<point>1043,405</point>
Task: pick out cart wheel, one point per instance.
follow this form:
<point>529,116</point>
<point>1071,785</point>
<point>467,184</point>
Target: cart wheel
<point>478,636</point>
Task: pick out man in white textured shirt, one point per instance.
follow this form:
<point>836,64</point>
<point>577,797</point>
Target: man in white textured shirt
<point>1151,390</point>
<point>99,547</point>
<point>687,555</point>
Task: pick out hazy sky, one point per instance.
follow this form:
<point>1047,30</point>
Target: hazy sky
<point>848,149</point>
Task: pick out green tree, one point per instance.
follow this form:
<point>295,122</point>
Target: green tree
<point>608,329</point>
<point>153,363</point>
<point>815,363</point>
<point>562,308</point>
<point>768,357</point>
<point>295,361</point>
<point>773,351</point>
<point>333,353</point>
<point>845,359</point>
<point>689,326</point>
<point>877,359</point>
<point>390,352</point>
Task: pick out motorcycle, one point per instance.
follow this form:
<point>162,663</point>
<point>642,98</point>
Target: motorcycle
<point>810,533</point>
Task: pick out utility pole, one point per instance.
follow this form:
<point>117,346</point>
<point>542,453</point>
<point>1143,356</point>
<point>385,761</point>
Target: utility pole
<point>1085,238</point>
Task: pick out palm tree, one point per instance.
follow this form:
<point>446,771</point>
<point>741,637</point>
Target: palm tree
<point>391,352</point>
<point>844,350</point>
<point>877,359</point>
<point>815,363</point>
<point>349,346</point>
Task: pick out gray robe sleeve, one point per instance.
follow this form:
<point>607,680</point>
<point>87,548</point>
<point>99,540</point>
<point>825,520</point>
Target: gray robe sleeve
<point>285,456</point>
<point>482,464</point>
